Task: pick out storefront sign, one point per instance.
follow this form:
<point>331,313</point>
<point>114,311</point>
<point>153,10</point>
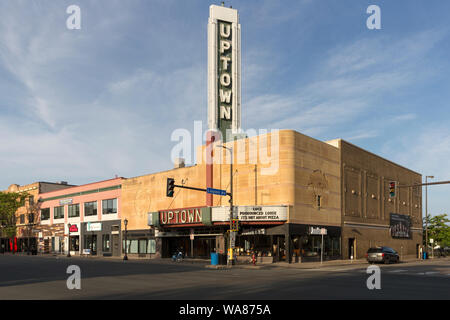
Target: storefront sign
<point>262,213</point>
<point>65,201</point>
<point>317,231</point>
<point>97,226</point>
<point>400,226</point>
<point>74,229</point>
<point>253,232</point>
<point>181,216</point>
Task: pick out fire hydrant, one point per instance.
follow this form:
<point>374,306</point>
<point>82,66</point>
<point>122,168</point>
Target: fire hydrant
<point>254,258</point>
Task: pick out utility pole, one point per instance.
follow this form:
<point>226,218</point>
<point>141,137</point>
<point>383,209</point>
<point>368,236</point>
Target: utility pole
<point>426,212</point>
<point>230,249</point>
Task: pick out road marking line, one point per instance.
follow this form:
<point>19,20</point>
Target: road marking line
<point>395,271</point>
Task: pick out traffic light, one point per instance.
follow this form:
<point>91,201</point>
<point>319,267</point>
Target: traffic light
<point>170,187</point>
<point>392,188</point>
<point>235,225</point>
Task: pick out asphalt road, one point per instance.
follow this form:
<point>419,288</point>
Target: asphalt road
<point>45,277</point>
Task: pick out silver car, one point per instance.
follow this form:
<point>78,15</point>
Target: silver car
<point>382,254</point>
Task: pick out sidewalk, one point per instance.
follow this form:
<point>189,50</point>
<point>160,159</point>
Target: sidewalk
<point>318,265</point>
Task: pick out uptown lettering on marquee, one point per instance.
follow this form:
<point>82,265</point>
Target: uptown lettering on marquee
<point>180,216</point>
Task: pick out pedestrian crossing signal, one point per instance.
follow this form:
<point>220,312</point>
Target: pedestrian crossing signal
<point>170,187</point>
<point>392,189</point>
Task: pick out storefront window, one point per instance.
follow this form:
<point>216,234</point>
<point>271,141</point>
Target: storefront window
<point>312,246</point>
<point>90,242</point>
<point>133,247</point>
<point>151,247</point>
<point>245,245</point>
<point>74,243</point>
<point>106,243</point>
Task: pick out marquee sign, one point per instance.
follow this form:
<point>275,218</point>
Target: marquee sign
<point>262,213</point>
<point>251,213</point>
<point>181,216</point>
<point>224,70</point>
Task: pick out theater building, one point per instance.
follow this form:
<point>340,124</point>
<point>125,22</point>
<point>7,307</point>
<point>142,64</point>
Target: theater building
<point>85,218</point>
<point>317,185</point>
<point>289,192</point>
<point>278,203</point>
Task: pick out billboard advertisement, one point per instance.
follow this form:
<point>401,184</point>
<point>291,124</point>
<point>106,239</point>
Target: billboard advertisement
<point>400,226</point>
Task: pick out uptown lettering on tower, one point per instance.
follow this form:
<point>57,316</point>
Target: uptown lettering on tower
<point>224,71</point>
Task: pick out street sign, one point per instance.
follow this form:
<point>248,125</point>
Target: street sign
<point>216,191</point>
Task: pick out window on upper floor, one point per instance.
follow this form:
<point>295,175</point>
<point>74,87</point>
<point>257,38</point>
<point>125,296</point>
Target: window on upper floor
<point>58,212</point>
<point>109,206</point>
<point>90,208</point>
<point>74,210</point>
<point>45,214</point>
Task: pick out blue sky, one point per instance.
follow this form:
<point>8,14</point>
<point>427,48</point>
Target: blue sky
<point>85,105</point>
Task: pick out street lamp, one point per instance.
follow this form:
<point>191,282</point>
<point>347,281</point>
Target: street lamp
<point>426,213</point>
<point>68,244</point>
<point>125,222</point>
<point>231,199</point>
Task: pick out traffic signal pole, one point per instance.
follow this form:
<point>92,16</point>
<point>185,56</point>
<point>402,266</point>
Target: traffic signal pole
<point>170,191</point>
<point>426,184</point>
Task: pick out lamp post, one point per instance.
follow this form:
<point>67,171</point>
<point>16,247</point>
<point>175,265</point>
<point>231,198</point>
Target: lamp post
<point>68,241</point>
<point>231,201</point>
<point>125,222</point>
<point>426,213</point>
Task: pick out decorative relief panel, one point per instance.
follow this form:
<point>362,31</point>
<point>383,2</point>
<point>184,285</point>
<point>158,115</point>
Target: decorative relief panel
<point>372,197</point>
<point>352,185</point>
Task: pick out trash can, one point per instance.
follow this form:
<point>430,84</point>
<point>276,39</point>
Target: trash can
<point>424,256</point>
<point>214,258</point>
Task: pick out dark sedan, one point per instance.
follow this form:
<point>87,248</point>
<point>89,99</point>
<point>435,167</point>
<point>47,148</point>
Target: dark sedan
<point>382,254</point>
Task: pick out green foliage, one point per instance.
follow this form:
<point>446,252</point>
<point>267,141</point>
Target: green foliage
<point>9,203</point>
<point>439,229</point>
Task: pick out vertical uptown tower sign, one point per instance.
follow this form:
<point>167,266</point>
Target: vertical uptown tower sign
<point>224,71</point>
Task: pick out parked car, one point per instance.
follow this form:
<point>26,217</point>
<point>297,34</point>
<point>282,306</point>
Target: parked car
<point>382,254</point>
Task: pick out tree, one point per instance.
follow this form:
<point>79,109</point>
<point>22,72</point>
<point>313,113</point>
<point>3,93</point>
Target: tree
<point>439,229</point>
<point>9,203</point>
